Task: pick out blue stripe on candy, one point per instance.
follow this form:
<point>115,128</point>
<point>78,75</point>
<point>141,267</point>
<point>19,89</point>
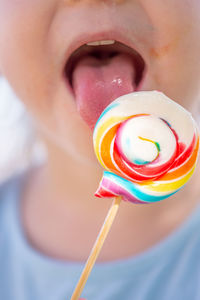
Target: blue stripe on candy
<point>133,188</point>
<point>141,162</point>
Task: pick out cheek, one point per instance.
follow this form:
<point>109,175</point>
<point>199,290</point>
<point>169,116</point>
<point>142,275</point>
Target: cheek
<point>175,52</point>
<point>24,51</point>
<point>23,33</point>
<point>28,61</point>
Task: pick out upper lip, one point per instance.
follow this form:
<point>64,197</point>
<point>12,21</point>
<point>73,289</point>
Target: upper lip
<point>86,37</point>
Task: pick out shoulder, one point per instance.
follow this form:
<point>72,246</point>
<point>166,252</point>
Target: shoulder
<point>7,185</point>
<point>10,190</point>
<point>9,236</point>
<point>9,195</point>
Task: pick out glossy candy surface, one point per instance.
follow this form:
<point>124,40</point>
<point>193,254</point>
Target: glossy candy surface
<point>148,144</point>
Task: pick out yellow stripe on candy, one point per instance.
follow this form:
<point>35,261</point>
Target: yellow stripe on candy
<point>158,186</point>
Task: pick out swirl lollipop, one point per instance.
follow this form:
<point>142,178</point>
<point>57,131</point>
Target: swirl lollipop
<point>148,145</point>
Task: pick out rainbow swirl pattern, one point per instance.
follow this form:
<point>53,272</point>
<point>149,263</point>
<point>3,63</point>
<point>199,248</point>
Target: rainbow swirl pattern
<point>149,146</point>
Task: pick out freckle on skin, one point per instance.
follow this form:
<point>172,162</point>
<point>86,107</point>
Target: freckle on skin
<point>162,51</point>
<point>159,52</point>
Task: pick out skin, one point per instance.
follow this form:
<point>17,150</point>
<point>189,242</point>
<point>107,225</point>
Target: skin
<point>58,204</point>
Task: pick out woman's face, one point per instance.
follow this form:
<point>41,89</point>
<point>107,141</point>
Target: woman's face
<point>37,36</point>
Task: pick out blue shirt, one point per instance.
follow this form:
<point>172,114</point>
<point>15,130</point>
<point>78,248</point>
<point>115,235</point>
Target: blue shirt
<point>170,270</point>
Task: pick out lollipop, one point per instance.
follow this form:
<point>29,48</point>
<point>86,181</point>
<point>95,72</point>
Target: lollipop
<point>148,145</point>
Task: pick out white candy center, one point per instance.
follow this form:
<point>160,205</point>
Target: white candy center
<point>143,138</point>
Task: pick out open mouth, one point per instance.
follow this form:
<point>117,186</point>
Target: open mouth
<point>99,72</point>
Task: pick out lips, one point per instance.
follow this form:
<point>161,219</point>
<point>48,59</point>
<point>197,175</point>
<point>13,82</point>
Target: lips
<point>103,52</point>
<point>96,75</point>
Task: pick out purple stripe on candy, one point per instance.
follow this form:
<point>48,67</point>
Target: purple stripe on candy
<point>119,190</point>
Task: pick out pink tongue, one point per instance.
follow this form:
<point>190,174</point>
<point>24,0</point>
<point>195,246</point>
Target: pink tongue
<point>97,82</point>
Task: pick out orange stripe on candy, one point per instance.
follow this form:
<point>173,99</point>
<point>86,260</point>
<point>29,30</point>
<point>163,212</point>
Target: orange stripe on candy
<point>157,186</point>
<point>106,146</point>
<point>100,132</point>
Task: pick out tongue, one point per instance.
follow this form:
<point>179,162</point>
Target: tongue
<point>97,82</point>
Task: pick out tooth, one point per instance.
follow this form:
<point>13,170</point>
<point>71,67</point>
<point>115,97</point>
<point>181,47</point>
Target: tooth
<point>98,43</point>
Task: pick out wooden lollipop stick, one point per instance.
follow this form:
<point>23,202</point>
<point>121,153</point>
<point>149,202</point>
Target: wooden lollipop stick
<point>96,248</point>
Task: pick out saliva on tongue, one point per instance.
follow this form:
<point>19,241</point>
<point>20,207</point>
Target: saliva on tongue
<point>97,82</point>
